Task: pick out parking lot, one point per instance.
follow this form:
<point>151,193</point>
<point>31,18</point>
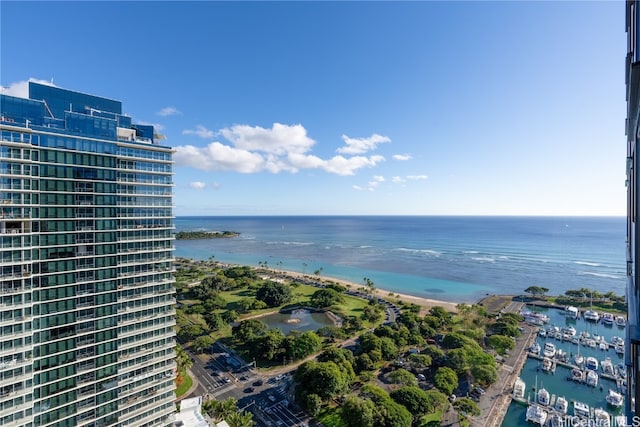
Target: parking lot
<point>222,375</point>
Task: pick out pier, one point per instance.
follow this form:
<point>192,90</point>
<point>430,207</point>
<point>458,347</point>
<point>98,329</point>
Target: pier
<point>506,378</point>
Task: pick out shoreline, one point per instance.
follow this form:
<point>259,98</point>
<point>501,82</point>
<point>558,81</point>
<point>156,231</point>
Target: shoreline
<point>425,303</point>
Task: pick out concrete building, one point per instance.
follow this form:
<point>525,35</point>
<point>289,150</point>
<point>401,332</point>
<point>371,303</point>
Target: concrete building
<point>87,291</point>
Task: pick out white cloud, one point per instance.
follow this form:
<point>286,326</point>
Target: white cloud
<point>21,89</point>
<point>169,111</point>
<point>361,145</point>
<point>198,185</point>
<point>357,187</point>
<point>219,157</point>
<point>401,157</point>
<point>398,180</point>
<point>200,131</point>
<point>282,148</point>
<point>347,166</point>
<point>280,139</point>
<point>378,178</point>
<point>417,177</point>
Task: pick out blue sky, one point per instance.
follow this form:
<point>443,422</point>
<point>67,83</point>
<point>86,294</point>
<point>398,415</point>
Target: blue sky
<point>422,108</point>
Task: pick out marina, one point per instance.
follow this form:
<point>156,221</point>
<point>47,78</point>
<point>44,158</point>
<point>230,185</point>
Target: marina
<point>574,367</point>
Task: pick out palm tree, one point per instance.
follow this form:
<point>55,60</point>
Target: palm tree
<point>240,419</point>
<point>220,410</point>
<point>183,359</point>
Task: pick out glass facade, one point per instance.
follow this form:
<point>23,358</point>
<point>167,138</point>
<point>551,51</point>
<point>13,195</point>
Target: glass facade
<point>87,296</point>
<point>632,80</point>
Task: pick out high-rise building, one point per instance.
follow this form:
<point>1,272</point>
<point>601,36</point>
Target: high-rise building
<point>87,295</point>
<point>632,80</point>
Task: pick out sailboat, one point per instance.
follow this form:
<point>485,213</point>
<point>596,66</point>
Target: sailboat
<point>578,358</point>
<point>591,314</point>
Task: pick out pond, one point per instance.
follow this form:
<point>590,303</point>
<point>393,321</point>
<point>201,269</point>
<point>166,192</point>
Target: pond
<point>298,319</point>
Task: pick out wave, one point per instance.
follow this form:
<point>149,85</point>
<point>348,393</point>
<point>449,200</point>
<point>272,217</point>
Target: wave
<point>603,275</point>
<point>470,252</point>
<point>590,264</point>
<point>289,243</point>
<point>484,259</point>
<point>420,251</point>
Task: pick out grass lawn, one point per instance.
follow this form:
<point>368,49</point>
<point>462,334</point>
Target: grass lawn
<point>186,384</point>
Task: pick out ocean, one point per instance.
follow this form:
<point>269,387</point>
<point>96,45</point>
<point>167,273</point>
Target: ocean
<point>457,259</point>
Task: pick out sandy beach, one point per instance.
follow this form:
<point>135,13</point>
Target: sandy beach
<point>425,303</point>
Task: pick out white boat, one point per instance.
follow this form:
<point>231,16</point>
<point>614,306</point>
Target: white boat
<point>591,316</point>
<point>621,321</point>
<point>581,409</point>
<point>607,366</point>
<point>615,340</point>
<point>562,405</point>
<point>603,346</point>
<point>571,311</point>
<point>549,350</point>
<point>578,359</point>
<point>535,348</point>
<point>542,332</point>
<point>519,388</point>
<point>607,319</point>
<point>536,414</point>
<point>543,397</point>
<point>569,330</point>
<point>619,349</point>
<point>614,398</point>
<point>592,378</point>
<point>591,363</point>
<point>548,365</point>
<point>601,417</point>
<point>535,317</point>
<point>577,375</point>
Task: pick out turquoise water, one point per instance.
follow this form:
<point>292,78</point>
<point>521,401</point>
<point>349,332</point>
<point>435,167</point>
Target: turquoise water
<point>557,383</point>
<point>458,259</point>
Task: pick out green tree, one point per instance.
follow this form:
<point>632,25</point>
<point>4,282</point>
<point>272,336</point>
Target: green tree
<point>183,360</point>
<point>413,398</point>
<point>325,379</point>
<point>274,294</point>
<point>536,291</point>
<point>240,419</point>
<point>215,322</point>
<point>388,412</point>
<point>369,283</point>
<point>268,345</point>
<point>445,380</point>
<point>189,332</point>
<point>404,377</point>
<point>202,343</point>
<point>466,407</point>
<point>389,349</point>
<point>357,412</point>
<point>484,374</point>
<point>300,345</point>
<point>313,403</point>
<point>325,298</point>
<point>220,409</point>
<point>248,329</point>
<point>501,343</point>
